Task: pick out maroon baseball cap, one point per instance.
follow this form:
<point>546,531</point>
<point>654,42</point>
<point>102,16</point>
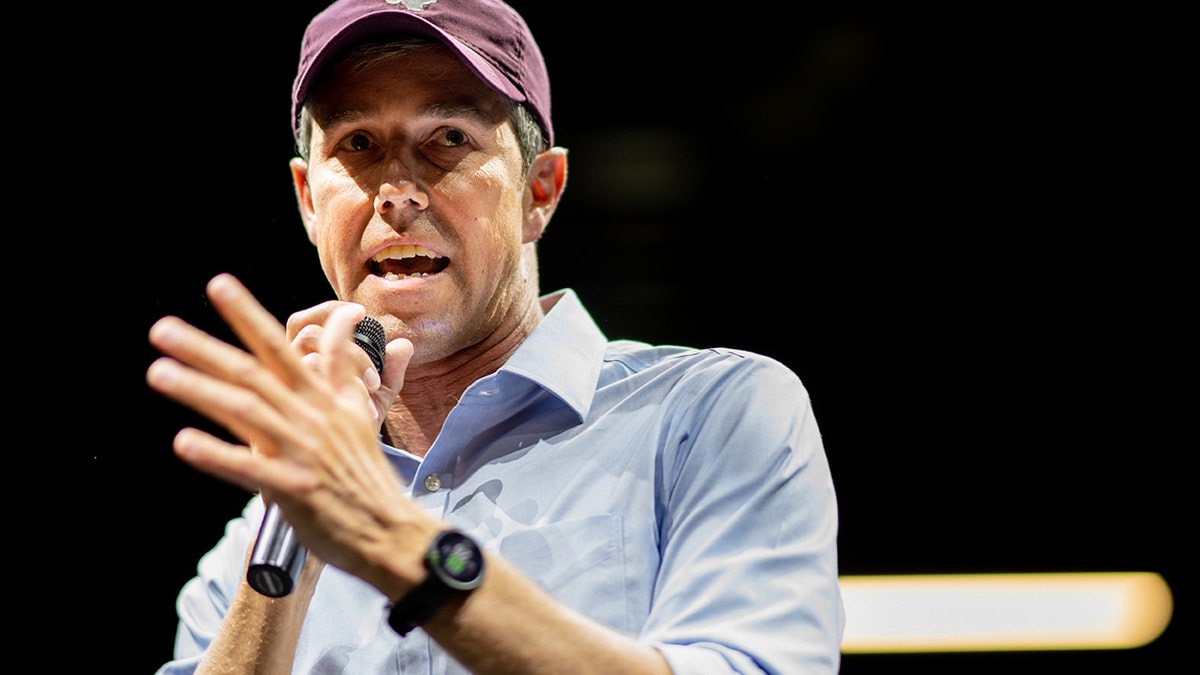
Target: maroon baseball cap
<point>489,36</point>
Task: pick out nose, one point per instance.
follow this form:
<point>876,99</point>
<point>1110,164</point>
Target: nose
<point>398,191</point>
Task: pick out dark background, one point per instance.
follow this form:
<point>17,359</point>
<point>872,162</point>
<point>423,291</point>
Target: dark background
<point>964,232</point>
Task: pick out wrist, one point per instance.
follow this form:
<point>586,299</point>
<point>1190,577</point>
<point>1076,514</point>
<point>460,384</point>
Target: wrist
<point>454,568</point>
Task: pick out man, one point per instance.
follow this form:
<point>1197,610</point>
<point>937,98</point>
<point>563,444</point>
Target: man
<point>513,492</point>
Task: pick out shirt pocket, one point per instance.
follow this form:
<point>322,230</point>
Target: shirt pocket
<point>580,562</point>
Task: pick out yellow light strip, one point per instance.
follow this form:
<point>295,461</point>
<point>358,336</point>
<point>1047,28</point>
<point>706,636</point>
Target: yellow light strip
<point>1004,612</point>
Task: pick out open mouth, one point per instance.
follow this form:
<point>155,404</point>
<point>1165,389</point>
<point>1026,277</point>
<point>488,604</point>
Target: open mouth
<point>405,261</point>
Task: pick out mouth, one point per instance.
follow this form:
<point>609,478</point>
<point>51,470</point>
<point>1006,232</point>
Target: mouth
<point>406,261</point>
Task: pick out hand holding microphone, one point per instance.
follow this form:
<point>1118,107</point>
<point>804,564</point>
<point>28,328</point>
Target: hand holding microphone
<point>277,557</point>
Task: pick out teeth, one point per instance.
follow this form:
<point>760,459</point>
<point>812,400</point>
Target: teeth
<point>392,276</point>
<point>404,251</point>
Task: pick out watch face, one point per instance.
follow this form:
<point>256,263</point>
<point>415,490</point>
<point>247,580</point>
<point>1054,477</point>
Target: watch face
<point>458,560</point>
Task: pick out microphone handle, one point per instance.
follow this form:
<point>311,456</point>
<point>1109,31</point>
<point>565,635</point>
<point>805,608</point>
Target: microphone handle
<point>277,557</point>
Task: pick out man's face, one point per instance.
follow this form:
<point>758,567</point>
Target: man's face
<point>415,199</point>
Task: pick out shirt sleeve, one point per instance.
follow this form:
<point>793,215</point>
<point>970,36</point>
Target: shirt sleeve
<point>205,598</point>
<point>749,576</point>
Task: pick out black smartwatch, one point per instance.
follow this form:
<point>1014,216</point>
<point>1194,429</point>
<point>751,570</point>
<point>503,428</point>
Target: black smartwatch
<point>455,566</point>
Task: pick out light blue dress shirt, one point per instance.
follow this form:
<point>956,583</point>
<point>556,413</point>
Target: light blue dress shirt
<point>678,495</point>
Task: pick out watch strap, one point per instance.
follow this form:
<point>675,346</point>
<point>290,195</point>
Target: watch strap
<point>455,567</point>
<point>421,603</point>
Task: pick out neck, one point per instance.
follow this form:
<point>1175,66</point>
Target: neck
<point>431,390</point>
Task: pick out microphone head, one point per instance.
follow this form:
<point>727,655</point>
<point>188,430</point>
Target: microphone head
<point>369,335</point>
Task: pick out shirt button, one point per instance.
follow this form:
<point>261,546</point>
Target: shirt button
<point>433,483</point>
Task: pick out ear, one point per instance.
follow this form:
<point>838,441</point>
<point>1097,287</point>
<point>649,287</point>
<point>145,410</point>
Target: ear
<point>547,179</point>
<point>304,196</point>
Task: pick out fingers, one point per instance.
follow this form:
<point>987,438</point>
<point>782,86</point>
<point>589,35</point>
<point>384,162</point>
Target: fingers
<point>232,462</point>
<point>341,357</point>
<point>267,340</point>
<point>399,353</point>
<point>267,396</point>
<point>219,381</point>
<point>312,317</point>
<point>258,329</point>
<point>304,331</point>
<point>303,399</point>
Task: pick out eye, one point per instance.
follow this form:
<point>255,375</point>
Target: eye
<point>451,137</point>
<point>356,142</point>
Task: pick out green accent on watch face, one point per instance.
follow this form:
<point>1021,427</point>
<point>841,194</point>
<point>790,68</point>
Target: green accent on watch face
<point>455,564</point>
<point>458,557</point>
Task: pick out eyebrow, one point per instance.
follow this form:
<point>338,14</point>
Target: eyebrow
<point>440,110</point>
<point>449,110</point>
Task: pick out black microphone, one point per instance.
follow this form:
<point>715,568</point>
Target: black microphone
<point>277,557</point>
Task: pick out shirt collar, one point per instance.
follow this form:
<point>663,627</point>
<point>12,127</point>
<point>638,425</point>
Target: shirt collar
<point>564,353</point>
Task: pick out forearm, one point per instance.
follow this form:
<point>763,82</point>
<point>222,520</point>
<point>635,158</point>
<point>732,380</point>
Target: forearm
<point>259,634</point>
<point>510,625</point>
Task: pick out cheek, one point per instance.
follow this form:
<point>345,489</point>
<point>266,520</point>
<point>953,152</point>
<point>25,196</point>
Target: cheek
<point>496,206</point>
<point>336,199</point>
<point>334,206</point>
<point>329,257</point>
